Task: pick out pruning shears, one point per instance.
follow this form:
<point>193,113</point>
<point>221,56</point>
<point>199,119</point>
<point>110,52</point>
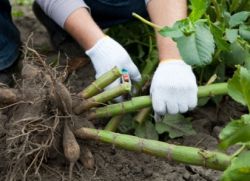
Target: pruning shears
<point>125,78</point>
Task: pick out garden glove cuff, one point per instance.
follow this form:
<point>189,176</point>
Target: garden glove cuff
<point>106,54</point>
<point>173,88</point>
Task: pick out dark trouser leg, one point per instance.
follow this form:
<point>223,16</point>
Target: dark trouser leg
<point>9,37</point>
<point>107,13</point>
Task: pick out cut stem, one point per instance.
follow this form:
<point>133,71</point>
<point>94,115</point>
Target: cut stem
<point>114,123</point>
<point>181,154</point>
<point>103,97</point>
<point>142,115</point>
<point>141,102</point>
<point>151,64</point>
<point>101,83</point>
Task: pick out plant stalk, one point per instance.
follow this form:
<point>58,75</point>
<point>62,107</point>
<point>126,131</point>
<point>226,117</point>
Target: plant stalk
<point>212,90</point>
<point>141,102</point>
<point>157,27</point>
<point>102,97</point>
<point>180,154</point>
<point>142,115</point>
<point>217,9</point>
<point>113,123</point>
<point>151,64</point>
<point>101,83</point>
<point>135,104</point>
<point>147,72</point>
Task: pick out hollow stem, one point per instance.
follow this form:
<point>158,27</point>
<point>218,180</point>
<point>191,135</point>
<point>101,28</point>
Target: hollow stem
<point>102,97</point>
<point>101,83</point>
<point>180,154</point>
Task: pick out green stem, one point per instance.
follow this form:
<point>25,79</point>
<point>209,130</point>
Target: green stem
<point>157,27</point>
<point>180,154</point>
<point>142,115</point>
<point>217,9</point>
<point>135,104</point>
<point>238,151</point>
<point>151,64</point>
<point>101,83</point>
<point>103,97</point>
<point>114,123</point>
<point>147,72</point>
<point>212,90</point>
<point>141,102</point>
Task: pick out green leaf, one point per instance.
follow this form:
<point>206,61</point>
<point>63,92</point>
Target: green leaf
<point>146,130</point>
<point>239,86</point>
<point>173,32</point>
<point>239,170</point>
<point>127,124</point>
<point>185,25</point>
<point>203,101</point>
<point>176,125</point>
<point>199,8</point>
<point>238,18</point>
<point>247,62</point>
<point>244,32</point>
<point>220,41</point>
<point>237,131</point>
<point>236,56</point>
<point>231,35</point>
<point>197,48</point>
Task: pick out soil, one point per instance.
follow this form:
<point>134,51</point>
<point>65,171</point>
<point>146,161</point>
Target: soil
<point>113,163</point>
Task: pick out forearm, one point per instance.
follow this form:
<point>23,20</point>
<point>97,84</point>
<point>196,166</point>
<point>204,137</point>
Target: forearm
<point>75,18</point>
<point>87,33</point>
<point>166,13</point>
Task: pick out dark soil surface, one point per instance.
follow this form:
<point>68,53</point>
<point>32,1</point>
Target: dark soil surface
<point>113,163</point>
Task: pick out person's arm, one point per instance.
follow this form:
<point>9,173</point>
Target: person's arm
<point>166,13</point>
<point>83,28</point>
<point>173,87</point>
<point>74,17</point>
<point>104,52</point>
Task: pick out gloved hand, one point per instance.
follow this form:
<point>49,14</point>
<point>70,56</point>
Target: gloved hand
<point>173,88</point>
<point>106,54</point>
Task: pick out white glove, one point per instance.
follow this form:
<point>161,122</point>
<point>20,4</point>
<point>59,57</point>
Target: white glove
<point>106,54</point>
<point>173,88</point>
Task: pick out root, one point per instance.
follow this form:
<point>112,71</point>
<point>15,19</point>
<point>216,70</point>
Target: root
<point>87,158</point>
<point>35,127</point>
<point>8,96</point>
